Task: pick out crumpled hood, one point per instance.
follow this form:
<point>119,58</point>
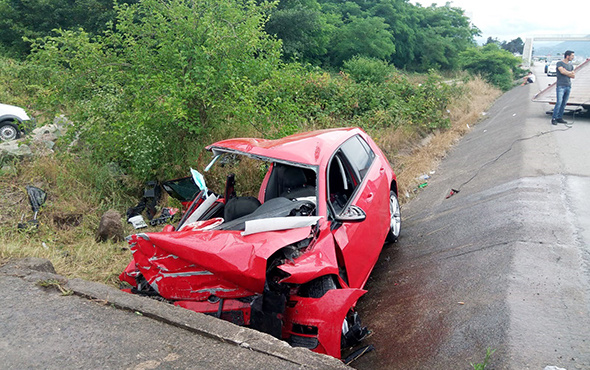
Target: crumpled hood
<point>228,255</point>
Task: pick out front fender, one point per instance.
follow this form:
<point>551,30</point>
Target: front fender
<point>327,314</point>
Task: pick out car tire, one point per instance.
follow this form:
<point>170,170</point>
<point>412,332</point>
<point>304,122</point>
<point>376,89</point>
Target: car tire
<point>8,131</point>
<point>318,287</point>
<point>395,221</point>
<point>352,330</point>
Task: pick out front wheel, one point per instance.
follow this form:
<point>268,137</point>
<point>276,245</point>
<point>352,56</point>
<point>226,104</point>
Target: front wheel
<point>8,131</point>
<point>395,221</point>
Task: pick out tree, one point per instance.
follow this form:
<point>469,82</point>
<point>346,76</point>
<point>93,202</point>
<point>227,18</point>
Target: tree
<point>497,66</point>
<point>492,40</point>
<point>303,28</point>
<point>444,33</point>
<point>403,19</point>
<point>515,46</point>
<point>368,37</point>
<point>37,18</point>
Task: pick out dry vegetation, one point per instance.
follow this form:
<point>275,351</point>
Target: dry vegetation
<point>415,156</point>
<point>70,217</point>
<point>67,221</point>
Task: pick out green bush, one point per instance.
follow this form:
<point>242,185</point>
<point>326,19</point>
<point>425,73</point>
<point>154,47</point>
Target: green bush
<point>362,69</point>
<point>294,100</point>
<point>495,65</point>
<point>160,79</point>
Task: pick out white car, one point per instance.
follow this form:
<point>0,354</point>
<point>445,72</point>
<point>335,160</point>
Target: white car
<point>552,69</point>
<point>13,122</point>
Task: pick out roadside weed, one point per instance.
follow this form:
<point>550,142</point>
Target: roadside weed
<point>486,360</point>
<point>54,283</point>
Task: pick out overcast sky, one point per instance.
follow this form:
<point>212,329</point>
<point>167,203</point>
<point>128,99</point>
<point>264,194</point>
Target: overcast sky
<point>509,19</point>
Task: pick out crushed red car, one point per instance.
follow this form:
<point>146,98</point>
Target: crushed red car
<point>291,261</point>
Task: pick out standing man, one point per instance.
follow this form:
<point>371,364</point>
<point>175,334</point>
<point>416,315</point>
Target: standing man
<point>565,72</point>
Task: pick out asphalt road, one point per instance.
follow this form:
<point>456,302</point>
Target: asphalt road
<point>504,264</point>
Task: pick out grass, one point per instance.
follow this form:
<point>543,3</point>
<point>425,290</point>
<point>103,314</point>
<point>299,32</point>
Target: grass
<point>53,283</point>
<point>79,192</point>
<point>77,195</point>
<point>486,360</point>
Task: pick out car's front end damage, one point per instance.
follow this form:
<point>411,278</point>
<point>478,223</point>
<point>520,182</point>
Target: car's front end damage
<point>267,281</point>
<point>286,262</point>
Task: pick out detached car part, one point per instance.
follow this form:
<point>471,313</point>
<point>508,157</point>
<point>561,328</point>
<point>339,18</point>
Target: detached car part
<point>37,198</point>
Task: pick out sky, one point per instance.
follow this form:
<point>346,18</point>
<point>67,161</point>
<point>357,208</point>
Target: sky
<point>508,19</point>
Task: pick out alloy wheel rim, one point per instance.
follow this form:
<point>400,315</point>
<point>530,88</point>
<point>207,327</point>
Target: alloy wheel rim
<point>394,210</point>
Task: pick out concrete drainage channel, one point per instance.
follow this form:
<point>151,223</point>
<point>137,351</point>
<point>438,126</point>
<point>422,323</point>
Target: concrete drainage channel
<point>36,270</point>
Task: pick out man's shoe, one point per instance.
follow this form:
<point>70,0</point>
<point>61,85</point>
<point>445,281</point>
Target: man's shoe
<point>554,122</point>
<point>561,120</point>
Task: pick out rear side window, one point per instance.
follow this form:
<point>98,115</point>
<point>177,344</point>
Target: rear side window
<point>359,154</point>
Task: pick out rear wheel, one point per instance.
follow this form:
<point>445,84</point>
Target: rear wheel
<point>8,131</point>
<point>395,221</point>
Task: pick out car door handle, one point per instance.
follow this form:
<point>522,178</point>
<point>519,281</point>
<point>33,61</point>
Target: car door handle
<point>370,195</point>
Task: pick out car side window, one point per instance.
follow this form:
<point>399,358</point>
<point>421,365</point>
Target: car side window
<point>341,182</point>
<point>359,153</point>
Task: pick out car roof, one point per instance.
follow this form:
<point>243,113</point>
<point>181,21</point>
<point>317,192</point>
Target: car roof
<point>311,148</point>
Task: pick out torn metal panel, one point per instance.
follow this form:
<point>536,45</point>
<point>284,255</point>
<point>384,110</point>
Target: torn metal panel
<point>320,260</point>
<point>201,209</point>
<point>201,225</point>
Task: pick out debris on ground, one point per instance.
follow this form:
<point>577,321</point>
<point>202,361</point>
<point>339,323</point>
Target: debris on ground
<point>36,198</point>
<point>147,204</point>
<point>167,214</point>
<point>183,189</point>
<point>137,222</point>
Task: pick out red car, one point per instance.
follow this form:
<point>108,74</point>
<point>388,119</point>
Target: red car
<point>291,262</point>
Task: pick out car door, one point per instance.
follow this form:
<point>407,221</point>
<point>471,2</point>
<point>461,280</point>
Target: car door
<point>355,177</point>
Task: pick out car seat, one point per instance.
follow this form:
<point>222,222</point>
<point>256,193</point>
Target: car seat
<point>239,206</point>
<point>290,182</point>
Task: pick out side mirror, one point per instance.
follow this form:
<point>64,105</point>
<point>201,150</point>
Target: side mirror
<point>351,214</point>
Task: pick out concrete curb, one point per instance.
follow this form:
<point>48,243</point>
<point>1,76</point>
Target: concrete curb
<point>36,269</point>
